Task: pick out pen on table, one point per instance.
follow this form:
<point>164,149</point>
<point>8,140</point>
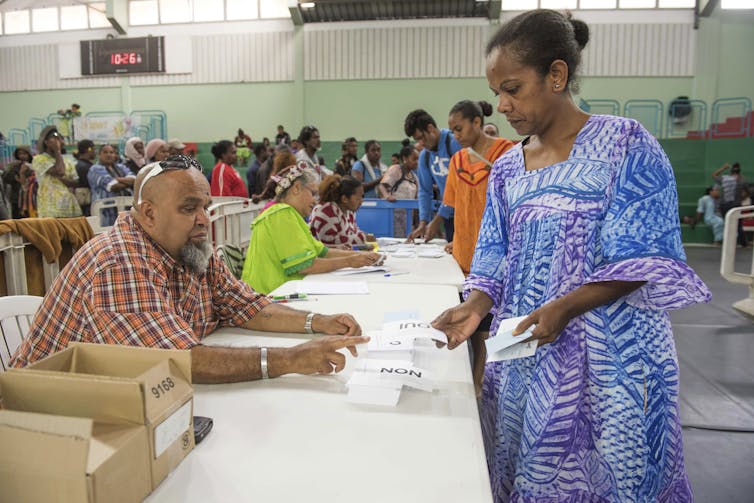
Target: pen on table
<point>290,296</point>
<point>395,273</point>
<point>285,301</point>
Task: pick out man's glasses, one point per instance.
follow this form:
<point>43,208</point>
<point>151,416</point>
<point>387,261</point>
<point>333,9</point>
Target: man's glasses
<point>170,164</point>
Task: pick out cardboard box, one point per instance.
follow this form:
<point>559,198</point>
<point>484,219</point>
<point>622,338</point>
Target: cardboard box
<point>71,459</point>
<point>114,384</point>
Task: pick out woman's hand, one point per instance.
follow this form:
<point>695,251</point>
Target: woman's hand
<point>361,259</point>
<point>391,198</point>
<point>550,320</point>
<point>449,248</point>
<point>458,323</point>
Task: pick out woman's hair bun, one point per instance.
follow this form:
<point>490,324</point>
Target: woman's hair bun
<point>486,108</point>
<point>580,32</point>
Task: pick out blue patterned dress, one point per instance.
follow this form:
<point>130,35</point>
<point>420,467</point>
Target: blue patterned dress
<point>594,415</point>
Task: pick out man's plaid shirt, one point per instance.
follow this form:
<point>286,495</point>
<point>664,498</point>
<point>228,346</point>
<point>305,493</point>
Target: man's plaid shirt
<point>123,288</point>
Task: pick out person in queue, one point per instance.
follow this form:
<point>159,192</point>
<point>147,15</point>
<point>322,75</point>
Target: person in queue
<point>438,146</point>
<point>282,247</point>
<point>580,235</point>
<point>153,280</point>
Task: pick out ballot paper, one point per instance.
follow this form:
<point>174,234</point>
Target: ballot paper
<point>390,374</point>
<point>383,347</point>
<point>504,346</point>
<point>414,329</point>
<point>332,287</point>
<point>430,253</point>
<point>346,271</point>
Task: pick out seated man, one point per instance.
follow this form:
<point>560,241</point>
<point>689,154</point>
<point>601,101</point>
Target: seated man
<point>153,280</point>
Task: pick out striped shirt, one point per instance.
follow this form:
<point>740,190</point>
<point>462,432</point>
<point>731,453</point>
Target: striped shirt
<point>124,288</point>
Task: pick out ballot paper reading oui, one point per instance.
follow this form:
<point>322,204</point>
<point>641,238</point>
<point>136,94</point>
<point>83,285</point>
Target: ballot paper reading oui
<point>383,347</point>
<point>504,346</point>
<point>415,329</point>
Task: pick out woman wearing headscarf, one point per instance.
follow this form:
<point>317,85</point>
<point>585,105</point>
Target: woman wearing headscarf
<point>134,153</point>
<point>157,150</point>
<point>282,247</point>
<point>57,177</point>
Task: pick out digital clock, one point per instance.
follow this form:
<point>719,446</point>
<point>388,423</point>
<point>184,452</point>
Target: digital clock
<point>123,55</point>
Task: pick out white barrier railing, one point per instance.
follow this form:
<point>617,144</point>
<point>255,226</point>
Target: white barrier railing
<point>230,222</point>
<point>728,260</point>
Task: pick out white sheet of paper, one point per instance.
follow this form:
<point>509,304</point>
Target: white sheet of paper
<point>332,287</point>
<point>346,271</point>
<point>417,329</point>
<point>373,395</point>
<point>386,373</point>
<point>430,253</point>
<point>520,350</point>
<point>380,341</point>
<point>504,336</point>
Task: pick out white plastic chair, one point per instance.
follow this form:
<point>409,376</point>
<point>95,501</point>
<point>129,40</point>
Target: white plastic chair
<point>16,315</point>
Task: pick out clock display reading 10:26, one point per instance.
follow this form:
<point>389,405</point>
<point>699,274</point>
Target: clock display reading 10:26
<point>123,55</point>
<point>125,58</point>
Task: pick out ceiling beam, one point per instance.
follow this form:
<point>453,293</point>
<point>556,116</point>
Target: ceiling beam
<point>296,16</point>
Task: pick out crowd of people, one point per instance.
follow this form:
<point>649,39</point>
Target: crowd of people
<point>575,228</point>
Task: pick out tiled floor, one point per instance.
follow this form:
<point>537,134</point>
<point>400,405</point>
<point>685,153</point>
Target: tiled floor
<point>716,354</point>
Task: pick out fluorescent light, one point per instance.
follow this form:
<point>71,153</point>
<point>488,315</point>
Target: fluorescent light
<point>306,5</point>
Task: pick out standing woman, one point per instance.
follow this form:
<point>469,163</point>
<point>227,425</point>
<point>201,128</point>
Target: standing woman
<point>134,153</point>
<point>466,187</point>
<point>580,234</point>
<point>333,220</point>
<point>57,177</point>
<point>400,182</point>
<point>225,179</point>
<point>282,247</point>
<point>107,178</point>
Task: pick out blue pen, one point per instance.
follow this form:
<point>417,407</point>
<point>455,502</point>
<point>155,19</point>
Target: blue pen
<point>395,273</point>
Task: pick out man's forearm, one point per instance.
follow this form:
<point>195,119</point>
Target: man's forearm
<point>278,318</point>
<point>215,365</point>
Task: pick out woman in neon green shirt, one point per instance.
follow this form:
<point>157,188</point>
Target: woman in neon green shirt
<point>282,246</point>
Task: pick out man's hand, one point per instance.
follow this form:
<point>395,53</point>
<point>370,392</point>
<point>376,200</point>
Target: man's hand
<point>433,229</point>
<point>321,355</point>
<point>418,232</point>
<point>336,324</point>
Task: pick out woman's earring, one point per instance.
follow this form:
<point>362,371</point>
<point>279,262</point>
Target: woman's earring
<point>557,86</point>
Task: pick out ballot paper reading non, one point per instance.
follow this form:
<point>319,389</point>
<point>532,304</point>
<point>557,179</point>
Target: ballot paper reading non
<point>391,374</point>
<point>413,329</point>
<point>504,346</point>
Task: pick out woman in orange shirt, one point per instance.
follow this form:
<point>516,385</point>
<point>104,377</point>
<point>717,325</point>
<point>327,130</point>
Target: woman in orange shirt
<point>466,188</point>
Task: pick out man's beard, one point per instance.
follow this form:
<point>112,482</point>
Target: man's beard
<point>196,256</point>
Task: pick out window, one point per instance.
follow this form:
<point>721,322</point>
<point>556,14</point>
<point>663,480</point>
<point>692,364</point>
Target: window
<point>597,4</point>
<point>677,4</point>
<point>16,21</point>
<point>175,11</point>
<point>1,23</point>
<point>271,9</point>
<point>208,10</point>
<point>519,4</point>
<point>240,9</point>
<point>143,12</point>
<point>558,4</point>
<point>73,17</point>
<point>637,4</point>
<point>736,4</point>
<point>44,19</point>
<point>97,17</point>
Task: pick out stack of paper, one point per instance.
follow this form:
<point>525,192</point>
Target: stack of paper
<point>346,271</point>
<point>379,382</point>
<point>504,346</point>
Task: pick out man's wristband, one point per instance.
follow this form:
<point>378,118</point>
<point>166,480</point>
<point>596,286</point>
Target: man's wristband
<point>263,363</point>
<point>308,323</point>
